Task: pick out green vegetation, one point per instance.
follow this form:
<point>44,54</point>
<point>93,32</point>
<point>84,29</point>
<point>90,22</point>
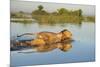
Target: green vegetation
<point>89,18</point>
<point>40,7</point>
<point>40,11</point>
<point>21,15</point>
<point>23,21</point>
<point>56,18</point>
<point>61,15</point>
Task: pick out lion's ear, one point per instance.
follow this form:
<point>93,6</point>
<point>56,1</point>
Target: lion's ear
<point>64,30</point>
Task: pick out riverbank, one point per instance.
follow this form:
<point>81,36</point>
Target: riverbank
<point>52,19</point>
<point>22,20</point>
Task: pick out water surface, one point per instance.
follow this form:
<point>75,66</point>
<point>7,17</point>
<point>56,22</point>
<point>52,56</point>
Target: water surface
<point>83,48</point>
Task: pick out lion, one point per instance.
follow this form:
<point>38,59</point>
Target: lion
<point>43,38</point>
<point>50,37</point>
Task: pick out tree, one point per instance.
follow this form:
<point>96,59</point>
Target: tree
<point>63,11</point>
<point>40,11</point>
<point>80,12</point>
<point>40,7</point>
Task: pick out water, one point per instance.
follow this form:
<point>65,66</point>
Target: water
<point>83,48</point>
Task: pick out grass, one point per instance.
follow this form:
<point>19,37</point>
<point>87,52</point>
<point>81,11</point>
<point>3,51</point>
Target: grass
<point>90,18</point>
<point>53,19</point>
<point>57,18</point>
<point>24,21</point>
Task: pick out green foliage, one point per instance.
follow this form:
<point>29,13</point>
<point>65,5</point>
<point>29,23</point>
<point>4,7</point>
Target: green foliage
<point>62,11</point>
<point>80,12</point>
<point>90,18</point>
<point>38,12</point>
<point>40,7</point>
<point>19,14</point>
<point>59,16</point>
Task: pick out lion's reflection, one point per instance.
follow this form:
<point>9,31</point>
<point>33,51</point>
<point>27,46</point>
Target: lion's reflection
<point>63,46</point>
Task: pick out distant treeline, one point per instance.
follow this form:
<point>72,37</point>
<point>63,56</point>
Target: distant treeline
<point>20,14</point>
<point>60,15</point>
<point>61,11</point>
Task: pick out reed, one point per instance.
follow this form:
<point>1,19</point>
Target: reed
<point>57,18</point>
